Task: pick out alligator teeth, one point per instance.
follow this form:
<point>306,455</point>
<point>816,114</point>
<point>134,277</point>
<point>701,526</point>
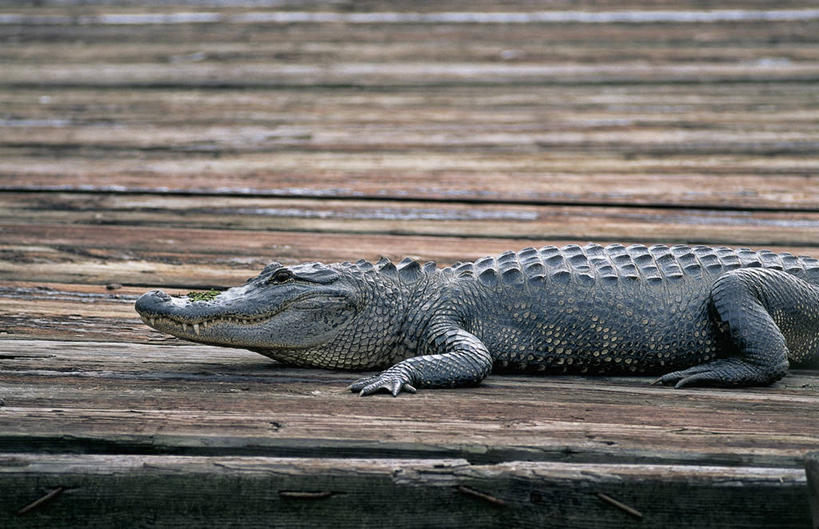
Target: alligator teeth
<point>185,327</point>
<point>152,321</point>
<point>196,328</point>
<point>204,324</point>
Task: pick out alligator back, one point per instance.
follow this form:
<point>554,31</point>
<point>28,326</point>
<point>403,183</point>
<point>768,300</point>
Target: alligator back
<point>608,264</point>
<point>595,309</point>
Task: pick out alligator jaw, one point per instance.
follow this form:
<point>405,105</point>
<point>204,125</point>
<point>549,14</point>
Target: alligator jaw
<point>204,330</point>
<point>229,321</point>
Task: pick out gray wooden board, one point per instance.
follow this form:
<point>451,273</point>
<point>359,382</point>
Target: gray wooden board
<point>812,471</point>
<point>167,491</point>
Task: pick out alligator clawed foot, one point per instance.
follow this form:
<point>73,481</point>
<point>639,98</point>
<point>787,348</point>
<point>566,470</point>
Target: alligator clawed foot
<point>391,382</point>
<point>699,375</point>
<point>725,372</point>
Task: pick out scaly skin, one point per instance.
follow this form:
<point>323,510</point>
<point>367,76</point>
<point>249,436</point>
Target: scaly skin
<point>696,315</point>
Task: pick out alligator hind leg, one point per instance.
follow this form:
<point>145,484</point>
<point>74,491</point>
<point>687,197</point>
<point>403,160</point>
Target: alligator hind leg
<point>757,305</point>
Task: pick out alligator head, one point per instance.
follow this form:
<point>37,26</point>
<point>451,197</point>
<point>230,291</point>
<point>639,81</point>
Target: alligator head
<point>299,315</point>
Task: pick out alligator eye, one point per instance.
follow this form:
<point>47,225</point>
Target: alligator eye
<point>280,276</point>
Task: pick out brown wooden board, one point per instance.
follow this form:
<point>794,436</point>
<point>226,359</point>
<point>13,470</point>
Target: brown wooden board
<point>576,113</point>
<point>509,221</point>
<point>185,144</point>
<point>155,398</point>
<point>366,6</point>
<point>678,146</point>
<point>202,258</point>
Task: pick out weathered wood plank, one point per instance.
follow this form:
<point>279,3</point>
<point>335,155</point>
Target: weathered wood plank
<point>105,491</point>
<point>812,471</point>
<point>561,47</point>
<point>724,147</point>
<point>151,256</point>
<point>205,258</point>
<point>350,136</point>
<point>441,64</point>
<point>605,30</point>
<point>97,47</point>
<point>666,25</point>
<point>440,13</point>
<point>482,6</point>
<point>408,74</point>
<point>86,396</point>
<point>632,121</point>
<point>381,138</point>
<point>721,181</point>
<point>72,312</point>
<point>441,151</point>
<point>513,111</point>
<point>651,225</point>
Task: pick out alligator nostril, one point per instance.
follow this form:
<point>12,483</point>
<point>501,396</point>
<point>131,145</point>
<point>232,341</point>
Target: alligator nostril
<point>161,295</point>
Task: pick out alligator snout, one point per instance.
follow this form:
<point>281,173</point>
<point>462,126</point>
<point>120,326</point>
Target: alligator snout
<point>153,303</point>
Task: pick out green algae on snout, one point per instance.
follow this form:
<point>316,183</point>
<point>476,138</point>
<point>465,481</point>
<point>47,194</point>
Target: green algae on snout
<point>207,295</point>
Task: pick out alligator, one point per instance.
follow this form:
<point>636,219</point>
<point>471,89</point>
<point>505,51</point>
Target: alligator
<point>697,315</point>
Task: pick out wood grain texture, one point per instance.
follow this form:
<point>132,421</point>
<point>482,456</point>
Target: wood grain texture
<point>196,258</point>
<point>109,490</point>
<point>413,218</point>
<point>719,114</point>
<point>185,144</point>
<point>812,472</point>
<point>713,146</point>
<point>71,395</point>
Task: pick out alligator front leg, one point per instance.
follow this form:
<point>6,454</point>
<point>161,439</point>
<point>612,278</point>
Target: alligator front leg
<point>463,361</point>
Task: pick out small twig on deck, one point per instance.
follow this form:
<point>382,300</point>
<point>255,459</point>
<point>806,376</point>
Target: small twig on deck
<point>481,495</point>
<point>305,495</point>
<point>53,493</point>
<point>620,505</point>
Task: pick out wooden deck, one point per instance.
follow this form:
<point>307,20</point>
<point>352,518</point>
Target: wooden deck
<point>185,144</point>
